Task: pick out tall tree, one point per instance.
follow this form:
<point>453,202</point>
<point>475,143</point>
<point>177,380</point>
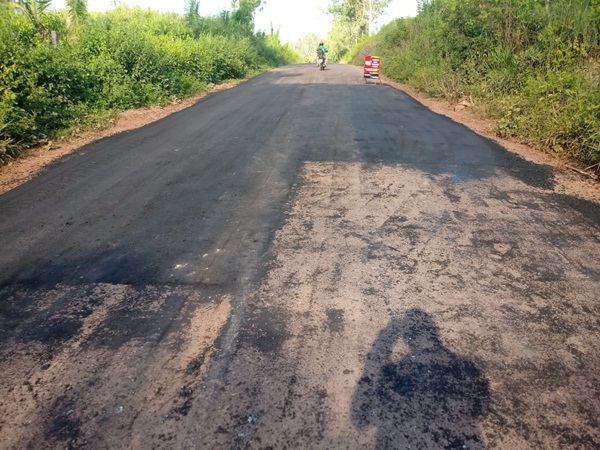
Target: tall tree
<point>360,14</point>
<point>191,12</point>
<point>306,46</point>
<point>244,10</point>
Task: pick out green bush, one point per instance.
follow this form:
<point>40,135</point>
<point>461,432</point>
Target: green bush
<point>114,61</point>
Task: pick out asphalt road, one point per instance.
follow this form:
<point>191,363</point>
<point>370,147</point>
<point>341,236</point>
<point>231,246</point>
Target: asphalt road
<point>303,261</point>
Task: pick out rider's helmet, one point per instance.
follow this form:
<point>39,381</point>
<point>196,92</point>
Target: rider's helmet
<point>320,43</point>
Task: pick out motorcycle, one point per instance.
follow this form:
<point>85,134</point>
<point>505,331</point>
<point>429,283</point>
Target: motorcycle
<point>321,60</point>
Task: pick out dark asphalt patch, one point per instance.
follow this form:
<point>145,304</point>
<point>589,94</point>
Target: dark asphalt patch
<point>335,320</point>
<point>141,318</point>
<point>52,330</point>
<point>57,316</point>
<point>63,426</point>
<point>24,319</point>
<point>265,328</point>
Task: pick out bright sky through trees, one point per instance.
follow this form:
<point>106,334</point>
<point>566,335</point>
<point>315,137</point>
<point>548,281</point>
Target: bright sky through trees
<point>293,19</point>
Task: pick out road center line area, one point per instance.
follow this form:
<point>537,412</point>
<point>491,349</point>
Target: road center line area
<point>304,261</point>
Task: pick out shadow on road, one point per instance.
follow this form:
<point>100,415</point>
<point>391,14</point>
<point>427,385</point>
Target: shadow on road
<point>431,398</point>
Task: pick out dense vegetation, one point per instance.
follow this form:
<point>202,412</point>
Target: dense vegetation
<point>533,65</point>
<point>112,61</point>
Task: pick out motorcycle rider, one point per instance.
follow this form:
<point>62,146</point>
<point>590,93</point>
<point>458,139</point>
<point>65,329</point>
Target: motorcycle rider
<point>321,49</point>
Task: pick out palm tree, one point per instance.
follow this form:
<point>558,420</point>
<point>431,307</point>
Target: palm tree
<point>77,10</point>
<point>33,9</point>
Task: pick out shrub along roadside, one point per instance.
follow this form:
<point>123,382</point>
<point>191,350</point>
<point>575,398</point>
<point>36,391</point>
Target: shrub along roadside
<point>532,65</point>
<point>114,61</point>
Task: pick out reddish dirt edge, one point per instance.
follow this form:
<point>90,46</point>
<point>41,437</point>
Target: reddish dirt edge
<point>568,181</point>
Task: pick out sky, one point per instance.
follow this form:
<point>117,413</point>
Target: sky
<point>292,18</point>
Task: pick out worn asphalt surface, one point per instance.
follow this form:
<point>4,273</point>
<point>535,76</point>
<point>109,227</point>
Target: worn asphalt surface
<point>304,261</point>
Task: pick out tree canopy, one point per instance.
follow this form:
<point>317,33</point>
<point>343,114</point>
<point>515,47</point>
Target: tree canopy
<point>352,20</point>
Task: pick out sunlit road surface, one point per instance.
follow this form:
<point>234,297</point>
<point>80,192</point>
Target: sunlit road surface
<point>305,261</point>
